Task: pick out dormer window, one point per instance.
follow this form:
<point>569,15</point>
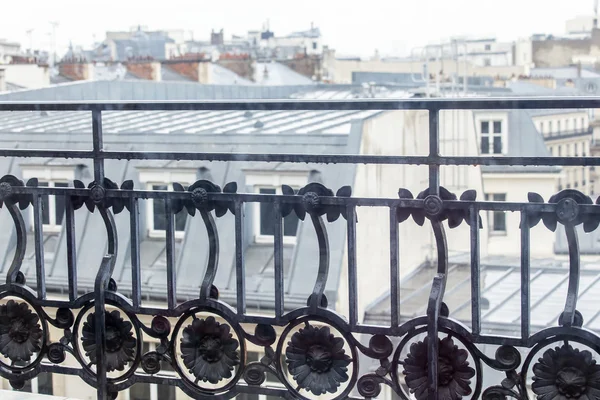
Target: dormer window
<point>492,134</point>
<point>53,207</point>
<point>269,182</point>
<point>156,219</point>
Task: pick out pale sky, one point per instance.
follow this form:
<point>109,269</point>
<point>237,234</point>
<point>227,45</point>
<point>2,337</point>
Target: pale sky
<point>394,27</point>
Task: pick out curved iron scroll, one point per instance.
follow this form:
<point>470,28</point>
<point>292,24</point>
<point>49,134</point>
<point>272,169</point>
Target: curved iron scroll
<point>213,255</point>
<point>13,272</point>
<point>568,316</point>
<point>316,299</point>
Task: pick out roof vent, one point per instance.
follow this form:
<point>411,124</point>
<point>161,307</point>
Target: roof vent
<point>43,113</point>
<point>248,114</point>
<point>258,124</point>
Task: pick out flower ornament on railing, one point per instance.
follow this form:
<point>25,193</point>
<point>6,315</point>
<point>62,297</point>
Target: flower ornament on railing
<point>317,359</point>
<point>120,342</point>
<point>311,203</point>
<point>454,373</point>
<point>567,210</point>
<point>433,207</point>
<point>209,350</point>
<point>20,332</point>
<point>98,196</point>
<point>199,198</point>
<point>566,373</point>
<point>7,182</point>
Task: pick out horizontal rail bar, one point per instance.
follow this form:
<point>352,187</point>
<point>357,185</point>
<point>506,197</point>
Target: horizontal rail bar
<point>306,158</point>
<point>476,103</point>
<point>270,198</point>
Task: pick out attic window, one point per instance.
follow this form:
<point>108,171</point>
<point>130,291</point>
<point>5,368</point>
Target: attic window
<point>492,134</point>
<point>156,219</point>
<point>53,207</point>
<point>269,182</point>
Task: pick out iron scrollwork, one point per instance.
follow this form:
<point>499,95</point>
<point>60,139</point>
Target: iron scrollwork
<point>311,351</point>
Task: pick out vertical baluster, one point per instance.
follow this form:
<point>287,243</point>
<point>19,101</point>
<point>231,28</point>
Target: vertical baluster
<point>71,247</point>
<point>352,275</point>
<point>170,242</point>
<point>278,260</point>
<point>134,226</point>
<point>475,271</point>
<point>97,144</point>
<point>394,269</point>
<point>434,151</point>
<point>240,275</point>
<point>525,277</point>
<point>39,245</point>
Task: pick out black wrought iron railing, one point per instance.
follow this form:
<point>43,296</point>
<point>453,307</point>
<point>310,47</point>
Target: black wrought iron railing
<point>310,350</point>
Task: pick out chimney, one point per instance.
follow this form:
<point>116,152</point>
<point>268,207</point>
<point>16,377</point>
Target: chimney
<point>193,66</point>
<point>241,64</point>
<point>2,81</point>
<point>76,69</point>
<point>145,69</point>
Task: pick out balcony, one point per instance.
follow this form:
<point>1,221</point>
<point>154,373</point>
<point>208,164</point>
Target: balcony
<point>91,323</point>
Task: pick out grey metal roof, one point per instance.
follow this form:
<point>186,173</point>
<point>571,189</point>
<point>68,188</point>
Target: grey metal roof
<point>499,277</point>
<point>223,76</point>
<point>149,90</point>
<point>523,141</point>
<point>311,132</point>
<point>278,74</point>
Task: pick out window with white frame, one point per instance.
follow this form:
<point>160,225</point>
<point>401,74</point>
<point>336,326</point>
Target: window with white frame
<point>542,127</point>
<point>558,126</point>
<point>492,133</point>
<point>264,213</point>
<point>550,128</point>
<point>152,391</point>
<point>496,219</point>
<point>156,217</point>
<point>53,207</point>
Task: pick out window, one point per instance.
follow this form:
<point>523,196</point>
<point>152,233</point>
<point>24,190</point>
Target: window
<point>583,124</point>
<point>41,384</point>
<point>488,47</point>
<point>583,176</point>
<point>559,150</point>
<point>314,45</point>
<point>496,219</point>
<point>53,207</point>
<point>263,221</point>
<point>147,391</point>
<point>153,179</point>
<point>542,127</point>
<point>550,128</point>
<point>560,186</point>
<point>573,127</point>
<point>558,126</point>
<point>157,219</point>
<point>576,148</point>
<point>266,225</point>
<point>491,136</point>
<point>487,62</point>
